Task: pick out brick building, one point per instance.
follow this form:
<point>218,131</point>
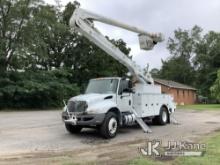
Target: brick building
<point>183,94</point>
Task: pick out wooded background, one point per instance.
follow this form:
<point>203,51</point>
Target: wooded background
<point>43,63</point>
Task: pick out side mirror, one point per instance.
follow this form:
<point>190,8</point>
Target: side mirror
<point>127,90</point>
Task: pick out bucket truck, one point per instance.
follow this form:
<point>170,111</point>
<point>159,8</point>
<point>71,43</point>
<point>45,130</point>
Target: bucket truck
<point>111,102</point>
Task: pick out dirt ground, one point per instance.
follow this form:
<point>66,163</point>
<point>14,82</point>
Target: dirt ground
<point>39,137</point>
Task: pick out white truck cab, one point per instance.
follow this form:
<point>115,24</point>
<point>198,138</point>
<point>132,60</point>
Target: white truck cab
<point>109,102</point>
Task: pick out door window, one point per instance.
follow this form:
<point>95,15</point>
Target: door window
<point>123,85</point>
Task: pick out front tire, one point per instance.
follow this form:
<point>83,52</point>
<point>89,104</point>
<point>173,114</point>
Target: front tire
<point>109,126</point>
<point>73,129</point>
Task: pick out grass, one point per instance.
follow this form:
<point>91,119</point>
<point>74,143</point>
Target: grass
<point>212,155</point>
<point>200,106</point>
<point>144,161</point>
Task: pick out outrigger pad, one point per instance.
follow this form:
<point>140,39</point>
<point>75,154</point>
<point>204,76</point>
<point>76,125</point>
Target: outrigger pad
<point>173,120</point>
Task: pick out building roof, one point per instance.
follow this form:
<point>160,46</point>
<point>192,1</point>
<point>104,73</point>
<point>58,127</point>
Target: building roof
<point>173,84</point>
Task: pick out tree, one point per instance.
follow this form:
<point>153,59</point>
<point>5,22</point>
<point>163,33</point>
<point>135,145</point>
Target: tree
<point>179,67</point>
<point>207,61</point>
<point>184,42</point>
<point>194,60</point>
<point>155,72</point>
<point>67,13</point>
<point>14,16</point>
<point>50,37</point>
<point>36,89</point>
<point>86,59</point>
<point>215,88</point>
<point>48,63</point>
<point>55,46</point>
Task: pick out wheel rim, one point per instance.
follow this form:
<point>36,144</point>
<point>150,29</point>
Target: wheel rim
<point>164,116</point>
<point>112,126</point>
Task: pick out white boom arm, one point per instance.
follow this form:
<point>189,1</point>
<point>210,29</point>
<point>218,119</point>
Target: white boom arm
<point>82,21</point>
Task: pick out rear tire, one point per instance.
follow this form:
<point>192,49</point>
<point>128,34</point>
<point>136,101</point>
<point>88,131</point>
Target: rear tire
<point>163,117</point>
<point>73,129</point>
<point>109,127</point>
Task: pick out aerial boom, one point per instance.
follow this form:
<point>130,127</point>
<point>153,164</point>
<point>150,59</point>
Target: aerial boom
<point>82,21</point>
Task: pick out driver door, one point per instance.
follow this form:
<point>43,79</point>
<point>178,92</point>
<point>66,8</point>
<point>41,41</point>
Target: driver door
<point>124,99</point>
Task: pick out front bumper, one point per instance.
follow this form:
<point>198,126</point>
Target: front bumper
<point>83,119</point>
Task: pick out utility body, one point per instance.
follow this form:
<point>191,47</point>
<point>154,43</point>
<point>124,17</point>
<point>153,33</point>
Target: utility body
<point>111,102</point>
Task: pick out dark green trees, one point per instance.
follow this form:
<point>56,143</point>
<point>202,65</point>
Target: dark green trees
<point>41,61</point>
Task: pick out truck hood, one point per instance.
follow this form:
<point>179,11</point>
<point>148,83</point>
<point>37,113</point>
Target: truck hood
<point>91,98</point>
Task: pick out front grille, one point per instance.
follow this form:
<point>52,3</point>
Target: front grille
<point>76,106</point>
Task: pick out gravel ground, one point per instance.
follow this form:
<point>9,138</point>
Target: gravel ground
<point>36,132</point>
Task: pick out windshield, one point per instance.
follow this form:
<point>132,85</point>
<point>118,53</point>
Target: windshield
<point>102,86</point>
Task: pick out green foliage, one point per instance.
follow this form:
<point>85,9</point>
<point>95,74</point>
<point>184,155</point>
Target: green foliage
<point>178,69</point>
<point>155,72</point>
<point>39,89</point>
<point>194,60</point>
<point>207,61</point>
<point>14,17</point>
<point>182,47</point>
<point>146,161</point>
<point>211,155</point>
<point>201,107</point>
<point>41,61</point>
<point>184,42</point>
<point>215,88</point>
<point>67,13</point>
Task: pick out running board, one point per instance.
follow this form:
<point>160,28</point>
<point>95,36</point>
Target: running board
<point>140,121</point>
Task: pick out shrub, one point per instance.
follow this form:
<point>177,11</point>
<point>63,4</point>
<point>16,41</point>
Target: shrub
<point>40,89</point>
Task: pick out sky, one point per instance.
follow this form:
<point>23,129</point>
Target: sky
<point>153,16</point>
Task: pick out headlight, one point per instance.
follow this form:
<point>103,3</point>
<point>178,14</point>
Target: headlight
<point>91,111</point>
